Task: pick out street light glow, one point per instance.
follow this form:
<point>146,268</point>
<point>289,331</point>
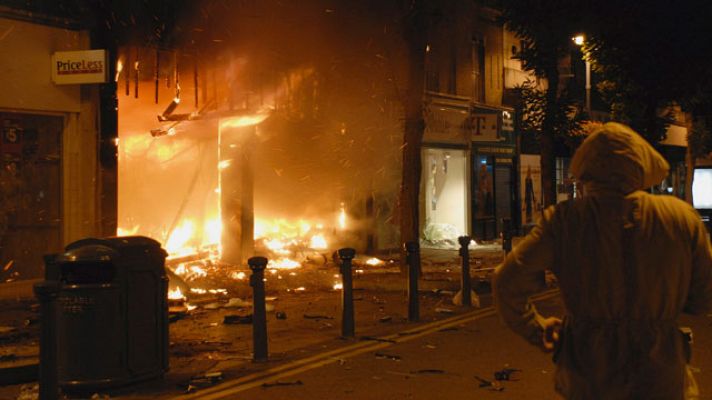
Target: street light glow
<point>578,39</point>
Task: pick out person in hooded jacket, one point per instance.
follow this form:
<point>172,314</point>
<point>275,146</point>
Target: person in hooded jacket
<point>628,263</point>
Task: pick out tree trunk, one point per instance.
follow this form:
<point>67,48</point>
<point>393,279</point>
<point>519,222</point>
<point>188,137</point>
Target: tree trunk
<point>548,156</point>
<point>416,37</point>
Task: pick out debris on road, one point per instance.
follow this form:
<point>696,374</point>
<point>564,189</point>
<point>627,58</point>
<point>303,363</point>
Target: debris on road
<point>280,315</point>
<point>428,372</point>
<point>237,302</point>
<point>443,310</point>
<point>506,374</point>
<point>204,380</point>
<point>388,356</point>
<point>315,316</point>
<point>237,319</point>
<point>282,383</point>
<point>385,319</point>
<point>376,339</point>
<point>492,385</point>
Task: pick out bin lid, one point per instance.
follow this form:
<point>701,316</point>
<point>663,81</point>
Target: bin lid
<point>88,253</point>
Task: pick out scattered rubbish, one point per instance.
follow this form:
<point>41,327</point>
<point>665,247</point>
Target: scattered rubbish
<point>314,316</point>
<point>97,396</point>
<point>430,346</point>
<point>8,357</point>
<point>282,383</point>
<point>492,385</point>
<point>457,299</point>
<point>237,302</point>
<point>30,321</point>
<point>398,373</point>
<point>237,319</point>
<point>212,306</point>
<point>428,372</point>
<point>506,374</point>
<point>281,315</point>
<point>29,392</point>
<point>388,356</point>
<point>376,339</point>
<point>340,360</point>
<point>443,310</point>
<point>270,298</point>
<point>7,329</point>
<point>173,317</point>
<point>205,380</point>
<point>385,319</point>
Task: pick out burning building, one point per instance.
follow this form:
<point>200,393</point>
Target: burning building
<point>274,141</point>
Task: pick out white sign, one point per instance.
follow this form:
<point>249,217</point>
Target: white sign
<point>74,67</point>
<point>484,128</point>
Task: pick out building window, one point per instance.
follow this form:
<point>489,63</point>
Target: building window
<point>478,69</point>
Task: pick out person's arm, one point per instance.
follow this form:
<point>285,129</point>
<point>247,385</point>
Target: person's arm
<point>519,277</point>
<point>699,297</point>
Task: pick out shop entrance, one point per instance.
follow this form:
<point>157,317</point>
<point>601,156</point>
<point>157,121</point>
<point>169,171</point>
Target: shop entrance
<point>30,222</point>
<point>493,195</point>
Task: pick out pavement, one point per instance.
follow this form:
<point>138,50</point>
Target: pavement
<point>453,352</point>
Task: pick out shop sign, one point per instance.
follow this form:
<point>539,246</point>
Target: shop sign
<point>76,67</point>
<point>484,127</point>
<point>507,121</point>
<point>446,124</point>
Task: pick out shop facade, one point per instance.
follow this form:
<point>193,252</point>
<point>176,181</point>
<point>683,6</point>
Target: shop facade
<point>48,151</point>
<point>469,179</point>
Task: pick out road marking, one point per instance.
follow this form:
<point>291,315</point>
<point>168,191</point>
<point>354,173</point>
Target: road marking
<point>230,388</point>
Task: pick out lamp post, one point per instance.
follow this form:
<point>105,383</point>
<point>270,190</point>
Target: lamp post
<point>579,40</point>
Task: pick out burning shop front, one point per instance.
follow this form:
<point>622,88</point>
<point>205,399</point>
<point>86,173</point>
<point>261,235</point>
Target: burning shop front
<point>218,163</point>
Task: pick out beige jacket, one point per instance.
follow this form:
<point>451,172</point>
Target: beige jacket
<point>627,262</point>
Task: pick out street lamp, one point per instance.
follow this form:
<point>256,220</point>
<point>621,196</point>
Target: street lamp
<point>579,40</point>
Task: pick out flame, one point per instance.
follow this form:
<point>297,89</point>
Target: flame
<point>284,263</point>
<point>212,229</point>
<point>180,237</point>
<point>176,294</point>
<point>238,275</point>
<point>127,232</point>
<point>342,217</point>
<point>244,120</point>
<point>338,286</point>
<point>224,164</point>
<point>374,261</point>
<point>318,242</point>
<point>199,272</point>
<point>119,68</point>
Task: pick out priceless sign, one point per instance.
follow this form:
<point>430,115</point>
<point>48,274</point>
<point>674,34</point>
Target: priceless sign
<point>74,67</point>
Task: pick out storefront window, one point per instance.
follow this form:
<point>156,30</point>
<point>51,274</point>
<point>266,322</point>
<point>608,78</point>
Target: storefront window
<point>444,179</point>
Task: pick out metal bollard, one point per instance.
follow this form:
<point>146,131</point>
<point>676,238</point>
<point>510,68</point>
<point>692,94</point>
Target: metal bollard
<point>348,325</point>
<point>506,235</point>
<point>412,250</point>
<point>259,313</point>
<point>466,284</point>
<point>46,292</point>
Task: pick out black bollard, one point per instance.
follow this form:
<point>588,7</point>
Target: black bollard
<point>466,285</point>
<point>348,325</point>
<point>259,312</point>
<point>412,250</point>
<point>506,235</point>
<point>46,292</point>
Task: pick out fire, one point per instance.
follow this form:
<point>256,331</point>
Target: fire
<point>284,263</point>
<point>318,242</point>
<point>176,294</point>
<point>244,120</point>
<point>127,232</point>
<point>180,237</point>
<point>374,261</point>
<point>342,217</point>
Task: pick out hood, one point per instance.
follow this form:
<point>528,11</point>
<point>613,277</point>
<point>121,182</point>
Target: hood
<point>616,158</point>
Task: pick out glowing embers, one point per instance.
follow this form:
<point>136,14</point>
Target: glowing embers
<point>289,244</point>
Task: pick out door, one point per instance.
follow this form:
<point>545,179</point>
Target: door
<point>503,191</point>
<point>30,193</point>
